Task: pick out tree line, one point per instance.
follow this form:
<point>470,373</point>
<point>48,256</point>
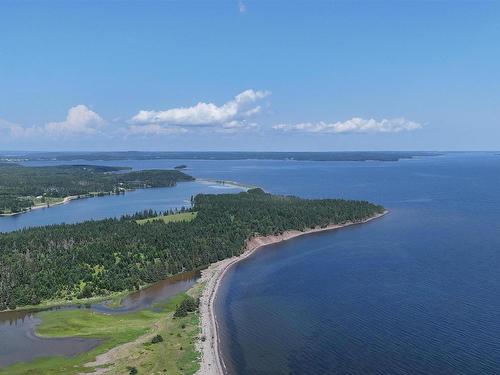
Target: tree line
<point>95,258</point>
<point>20,186</point>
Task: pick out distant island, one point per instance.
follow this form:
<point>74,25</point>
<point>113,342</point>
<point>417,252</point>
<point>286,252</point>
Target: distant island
<point>114,255</point>
<point>182,166</point>
<point>23,188</point>
<point>216,155</point>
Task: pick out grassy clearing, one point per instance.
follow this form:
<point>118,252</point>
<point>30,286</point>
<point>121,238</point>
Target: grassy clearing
<point>182,216</point>
<point>176,354</point>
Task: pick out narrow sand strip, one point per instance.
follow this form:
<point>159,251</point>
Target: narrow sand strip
<point>211,361</point>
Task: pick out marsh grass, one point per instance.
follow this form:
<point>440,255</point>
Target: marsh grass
<point>176,354</point>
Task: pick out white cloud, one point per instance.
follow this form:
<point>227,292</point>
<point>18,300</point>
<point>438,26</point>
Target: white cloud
<point>8,128</point>
<point>242,7</point>
<point>80,121</point>
<point>154,129</point>
<point>232,114</point>
<point>354,125</point>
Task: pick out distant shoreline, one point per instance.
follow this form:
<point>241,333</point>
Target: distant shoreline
<point>321,156</point>
<point>212,362</point>
<point>47,205</point>
<point>70,198</point>
<point>64,200</point>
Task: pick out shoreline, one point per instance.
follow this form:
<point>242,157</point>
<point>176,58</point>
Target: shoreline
<point>112,297</point>
<point>101,194</point>
<point>64,200</point>
<point>53,304</point>
<point>211,361</point>
<point>206,340</point>
<point>71,198</point>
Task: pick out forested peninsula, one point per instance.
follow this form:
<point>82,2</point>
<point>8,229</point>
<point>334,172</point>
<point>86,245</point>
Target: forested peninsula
<point>22,188</point>
<point>97,258</point>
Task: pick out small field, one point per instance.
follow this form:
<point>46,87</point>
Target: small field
<point>182,216</point>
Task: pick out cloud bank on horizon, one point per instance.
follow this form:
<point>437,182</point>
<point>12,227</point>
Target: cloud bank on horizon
<point>354,125</point>
<point>237,114</point>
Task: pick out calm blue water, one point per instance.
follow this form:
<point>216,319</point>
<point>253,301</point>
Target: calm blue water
<point>159,199</point>
<point>416,292</point>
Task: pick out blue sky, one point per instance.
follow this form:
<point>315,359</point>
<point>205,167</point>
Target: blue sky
<point>250,75</point>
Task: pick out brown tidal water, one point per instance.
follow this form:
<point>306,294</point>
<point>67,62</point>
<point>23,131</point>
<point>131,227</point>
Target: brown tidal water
<point>146,298</point>
<point>20,343</point>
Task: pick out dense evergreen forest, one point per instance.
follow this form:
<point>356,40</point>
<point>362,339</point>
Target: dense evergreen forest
<point>22,187</point>
<point>98,257</point>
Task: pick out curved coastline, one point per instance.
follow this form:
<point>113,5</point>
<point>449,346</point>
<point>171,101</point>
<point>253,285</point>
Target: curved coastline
<point>70,198</point>
<point>212,362</point>
<point>44,205</point>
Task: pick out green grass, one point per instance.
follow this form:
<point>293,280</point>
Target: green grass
<point>182,216</point>
<point>47,200</point>
<point>175,355</point>
<point>116,330</point>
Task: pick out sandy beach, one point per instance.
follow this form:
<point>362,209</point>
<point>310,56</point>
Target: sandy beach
<point>211,361</point>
